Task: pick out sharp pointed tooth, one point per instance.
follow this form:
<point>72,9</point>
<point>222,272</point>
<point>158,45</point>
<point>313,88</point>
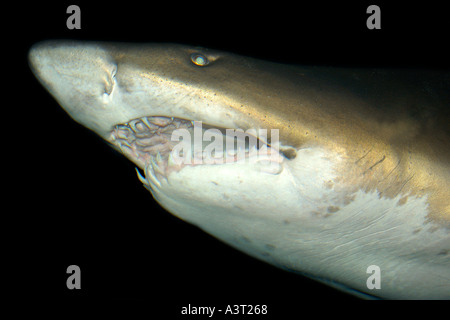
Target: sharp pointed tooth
<point>149,188</point>
<point>147,123</point>
<point>119,144</point>
<point>140,177</point>
<point>126,143</point>
<point>151,178</point>
<point>132,125</point>
<point>158,157</point>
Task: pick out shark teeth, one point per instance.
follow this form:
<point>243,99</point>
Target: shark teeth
<point>149,125</point>
<point>151,177</point>
<point>121,144</point>
<point>126,143</point>
<point>132,125</point>
<point>147,141</point>
<point>141,178</point>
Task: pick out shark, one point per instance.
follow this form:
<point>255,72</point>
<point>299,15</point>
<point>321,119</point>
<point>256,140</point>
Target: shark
<point>346,180</point>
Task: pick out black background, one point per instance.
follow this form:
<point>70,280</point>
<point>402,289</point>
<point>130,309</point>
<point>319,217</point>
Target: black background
<point>76,201</point>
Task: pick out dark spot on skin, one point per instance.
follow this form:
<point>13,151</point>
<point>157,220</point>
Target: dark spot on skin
<point>332,209</point>
<point>402,201</point>
<point>270,247</point>
<point>349,199</point>
<point>286,222</point>
<point>443,252</point>
<point>417,230</point>
<point>215,183</point>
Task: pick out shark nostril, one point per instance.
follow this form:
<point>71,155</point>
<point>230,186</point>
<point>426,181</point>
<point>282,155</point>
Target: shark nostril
<point>110,81</point>
<point>114,72</point>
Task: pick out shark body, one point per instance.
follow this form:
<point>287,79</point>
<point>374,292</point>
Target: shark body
<point>360,176</point>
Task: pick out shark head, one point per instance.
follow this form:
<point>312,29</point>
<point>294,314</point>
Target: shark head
<point>138,97</point>
<point>293,166</point>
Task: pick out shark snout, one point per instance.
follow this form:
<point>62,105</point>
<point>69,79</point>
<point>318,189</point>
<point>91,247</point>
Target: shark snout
<point>40,58</point>
<point>68,64</point>
<point>80,76</point>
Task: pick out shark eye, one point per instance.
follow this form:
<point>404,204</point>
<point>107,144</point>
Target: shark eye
<point>199,59</point>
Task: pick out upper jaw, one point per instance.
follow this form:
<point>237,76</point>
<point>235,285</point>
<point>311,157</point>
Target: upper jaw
<point>149,142</point>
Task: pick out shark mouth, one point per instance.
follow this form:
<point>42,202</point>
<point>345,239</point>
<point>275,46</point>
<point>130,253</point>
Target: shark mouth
<point>149,143</point>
